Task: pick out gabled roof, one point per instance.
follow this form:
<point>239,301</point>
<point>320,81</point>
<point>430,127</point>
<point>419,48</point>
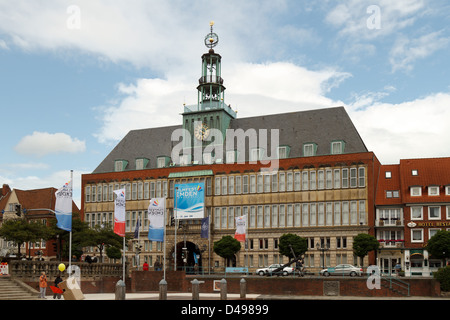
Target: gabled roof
<point>30,200</point>
<point>386,183</point>
<point>321,126</point>
<point>430,172</point>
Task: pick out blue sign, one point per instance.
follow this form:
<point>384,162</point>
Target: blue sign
<point>190,200</point>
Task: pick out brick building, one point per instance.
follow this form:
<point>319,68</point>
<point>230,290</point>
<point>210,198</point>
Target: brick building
<point>32,205</point>
<point>412,204</point>
<point>317,180</point>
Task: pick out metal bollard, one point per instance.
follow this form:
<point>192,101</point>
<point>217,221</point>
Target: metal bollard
<point>243,287</point>
<point>120,290</point>
<point>223,289</point>
<point>163,290</point>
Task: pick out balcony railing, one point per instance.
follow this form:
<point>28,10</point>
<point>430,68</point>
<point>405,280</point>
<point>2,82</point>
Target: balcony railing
<point>384,222</point>
<point>210,79</point>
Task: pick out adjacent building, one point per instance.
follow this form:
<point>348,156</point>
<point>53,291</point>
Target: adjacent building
<point>32,205</point>
<point>412,204</point>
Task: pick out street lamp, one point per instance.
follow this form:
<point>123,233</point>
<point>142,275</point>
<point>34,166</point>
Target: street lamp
<point>323,247</point>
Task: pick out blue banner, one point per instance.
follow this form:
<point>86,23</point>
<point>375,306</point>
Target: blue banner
<point>190,200</point>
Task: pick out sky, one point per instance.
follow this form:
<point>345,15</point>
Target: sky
<point>76,76</point>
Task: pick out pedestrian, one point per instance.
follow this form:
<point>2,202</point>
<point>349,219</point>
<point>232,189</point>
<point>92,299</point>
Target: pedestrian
<point>145,266</point>
<point>42,285</point>
<point>398,268</point>
<point>58,280</point>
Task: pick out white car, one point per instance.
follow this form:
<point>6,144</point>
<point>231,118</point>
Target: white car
<point>270,270</point>
<point>342,270</point>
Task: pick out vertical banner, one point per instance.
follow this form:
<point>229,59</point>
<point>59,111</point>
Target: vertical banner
<point>63,207</point>
<point>156,215</point>
<point>241,226</point>
<point>205,228</point>
<point>119,212</point>
<point>190,200</point>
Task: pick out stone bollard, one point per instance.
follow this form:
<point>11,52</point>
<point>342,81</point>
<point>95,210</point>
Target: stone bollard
<point>243,287</point>
<point>120,290</point>
<point>195,289</point>
<point>163,290</point>
<point>223,289</point>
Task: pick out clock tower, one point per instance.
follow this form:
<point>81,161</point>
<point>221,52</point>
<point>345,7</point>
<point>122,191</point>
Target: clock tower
<point>211,111</point>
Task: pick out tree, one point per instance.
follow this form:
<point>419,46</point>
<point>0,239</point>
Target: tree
<point>439,245</point>
<point>21,231</point>
<point>113,253</point>
<point>363,243</point>
<point>227,247</point>
<point>298,244</point>
<point>443,276</point>
<point>99,237</point>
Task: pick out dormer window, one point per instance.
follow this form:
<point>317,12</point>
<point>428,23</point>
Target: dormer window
<point>416,191</point>
<point>257,154</point>
<point>162,161</point>
<point>120,165</point>
<point>309,149</point>
<point>337,147</point>
<point>141,163</point>
<point>433,190</point>
<point>283,152</point>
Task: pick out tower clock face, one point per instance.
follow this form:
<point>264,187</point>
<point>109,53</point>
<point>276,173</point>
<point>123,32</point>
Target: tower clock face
<point>201,132</point>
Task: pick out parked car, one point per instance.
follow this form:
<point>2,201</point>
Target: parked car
<point>270,270</point>
<point>342,270</point>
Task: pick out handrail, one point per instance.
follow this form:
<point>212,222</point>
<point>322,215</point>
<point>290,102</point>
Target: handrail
<point>400,283</point>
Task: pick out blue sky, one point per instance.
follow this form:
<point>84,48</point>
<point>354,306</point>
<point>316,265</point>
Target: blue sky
<point>76,76</point>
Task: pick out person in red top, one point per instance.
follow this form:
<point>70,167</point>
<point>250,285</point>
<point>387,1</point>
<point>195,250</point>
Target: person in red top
<point>42,285</point>
<point>145,266</point>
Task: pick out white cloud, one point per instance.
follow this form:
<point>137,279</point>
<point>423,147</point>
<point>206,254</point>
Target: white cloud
<point>253,89</point>
<point>354,18</point>
<point>412,129</point>
<point>406,51</point>
<point>43,143</point>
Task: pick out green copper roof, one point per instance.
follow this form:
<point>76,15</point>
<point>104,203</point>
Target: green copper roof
<point>191,174</point>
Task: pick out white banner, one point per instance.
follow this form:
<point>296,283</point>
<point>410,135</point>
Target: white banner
<point>241,227</point>
<point>156,215</point>
<point>63,207</point>
<point>119,212</point>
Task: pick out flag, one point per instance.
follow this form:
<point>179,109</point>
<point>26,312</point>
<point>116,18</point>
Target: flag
<point>136,230</point>
<point>205,228</point>
<point>63,207</point>
<point>156,215</point>
<point>241,226</point>
<point>119,212</point>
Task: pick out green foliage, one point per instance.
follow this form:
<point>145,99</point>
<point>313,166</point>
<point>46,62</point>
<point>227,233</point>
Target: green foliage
<point>363,243</point>
<point>439,245</point>
<point>227,247</point>
<point>21,231</point>
<point>443,276</point>
<point>299,245</point>
<point>113,253</point>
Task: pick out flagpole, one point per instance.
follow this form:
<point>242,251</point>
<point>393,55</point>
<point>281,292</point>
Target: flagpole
<point>70,234</point>
<point>123,260</point>
<point>165,239</point>
<point>176,227</point>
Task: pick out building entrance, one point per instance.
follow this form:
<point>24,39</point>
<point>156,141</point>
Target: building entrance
<point>189,257</point>
<point>388,265</point>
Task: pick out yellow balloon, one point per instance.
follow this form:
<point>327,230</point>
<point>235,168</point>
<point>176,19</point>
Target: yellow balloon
<point>62,267</point>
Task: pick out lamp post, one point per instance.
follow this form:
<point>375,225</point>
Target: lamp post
<point>323,247</point>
